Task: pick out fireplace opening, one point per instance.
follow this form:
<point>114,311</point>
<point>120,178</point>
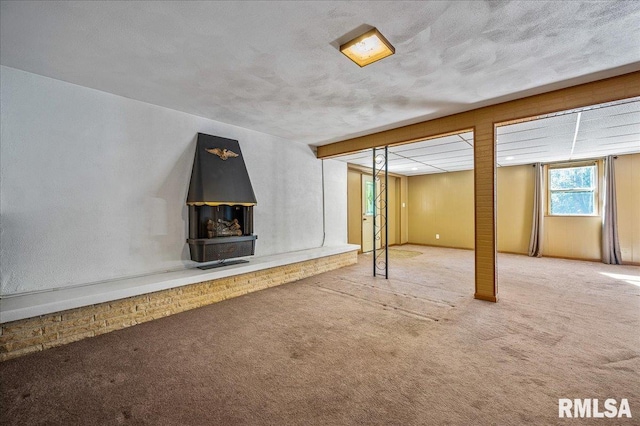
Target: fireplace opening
<point>221,232</point>
<point>222,221</point>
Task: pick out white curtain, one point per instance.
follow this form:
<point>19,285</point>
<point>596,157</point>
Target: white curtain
<point>610,242</point>
<point>535,242</point>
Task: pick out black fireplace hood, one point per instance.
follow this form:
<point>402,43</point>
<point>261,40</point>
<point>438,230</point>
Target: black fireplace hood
<point>219,175</point>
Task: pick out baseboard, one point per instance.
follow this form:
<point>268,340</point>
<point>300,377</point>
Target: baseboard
<point>437,246</point>
<point>572,258</point>
<point>568,258</point>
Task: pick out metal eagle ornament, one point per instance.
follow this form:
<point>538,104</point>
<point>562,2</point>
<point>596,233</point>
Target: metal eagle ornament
<point>222,153</point>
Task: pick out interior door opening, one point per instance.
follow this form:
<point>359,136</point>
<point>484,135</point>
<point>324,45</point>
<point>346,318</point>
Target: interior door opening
<point>367,213</point>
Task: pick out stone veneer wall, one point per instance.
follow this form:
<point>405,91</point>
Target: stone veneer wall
<point>29,335</point>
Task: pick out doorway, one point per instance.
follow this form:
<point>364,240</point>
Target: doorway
<point>360,208</point>
<point>367,212</point>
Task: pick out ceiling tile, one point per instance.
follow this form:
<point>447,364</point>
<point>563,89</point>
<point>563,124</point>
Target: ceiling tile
<point>612,129</point>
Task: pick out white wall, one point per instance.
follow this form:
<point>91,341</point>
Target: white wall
<point>93,186</point>
<point>335,183</point>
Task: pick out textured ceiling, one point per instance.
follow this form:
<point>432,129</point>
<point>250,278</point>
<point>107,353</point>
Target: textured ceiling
<point>593,132</point>
<point>275,67</point>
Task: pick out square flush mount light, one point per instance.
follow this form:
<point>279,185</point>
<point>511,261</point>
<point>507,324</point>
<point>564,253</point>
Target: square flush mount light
<point>368,48</point>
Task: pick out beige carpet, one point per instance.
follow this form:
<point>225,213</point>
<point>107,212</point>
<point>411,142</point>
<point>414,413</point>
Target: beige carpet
<point>345,348</point>
<point>396,253</point>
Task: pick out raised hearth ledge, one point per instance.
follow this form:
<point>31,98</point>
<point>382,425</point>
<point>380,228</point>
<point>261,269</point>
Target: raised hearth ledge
<point>21,306</point>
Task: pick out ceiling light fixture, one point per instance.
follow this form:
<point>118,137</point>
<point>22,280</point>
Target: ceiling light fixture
<point>367,48</point>
<point>509,158</point>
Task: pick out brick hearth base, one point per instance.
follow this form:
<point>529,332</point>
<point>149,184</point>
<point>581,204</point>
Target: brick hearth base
<point>24,336</point>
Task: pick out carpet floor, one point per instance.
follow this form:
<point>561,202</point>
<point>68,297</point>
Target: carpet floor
<point>345,348</point>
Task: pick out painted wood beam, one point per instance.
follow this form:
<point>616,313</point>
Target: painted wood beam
<point>483,121</point>
<point>608,90</point>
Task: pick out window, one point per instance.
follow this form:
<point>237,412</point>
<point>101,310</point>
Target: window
<point>573,189</point>
<point>368,198</point>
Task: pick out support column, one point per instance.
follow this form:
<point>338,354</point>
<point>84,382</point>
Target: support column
<point>485,210</point>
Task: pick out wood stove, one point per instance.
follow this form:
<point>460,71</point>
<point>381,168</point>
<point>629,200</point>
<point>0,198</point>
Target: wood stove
<point>220,201</point>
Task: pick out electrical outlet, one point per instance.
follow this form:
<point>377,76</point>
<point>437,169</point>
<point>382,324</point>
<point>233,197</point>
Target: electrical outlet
<point>437,236</point>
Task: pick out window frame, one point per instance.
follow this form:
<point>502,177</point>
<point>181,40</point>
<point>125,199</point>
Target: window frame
<point>571,165</point>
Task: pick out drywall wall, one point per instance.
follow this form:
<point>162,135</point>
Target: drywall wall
<point>572,237</point>
<point>335,200</point>
<point>393,218</point>
<point>354,206</point>
<point>627,171</point>
<point>93,186</point>
<point>404,210</point>
<point>441,204</point>
<point>515,208</point>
